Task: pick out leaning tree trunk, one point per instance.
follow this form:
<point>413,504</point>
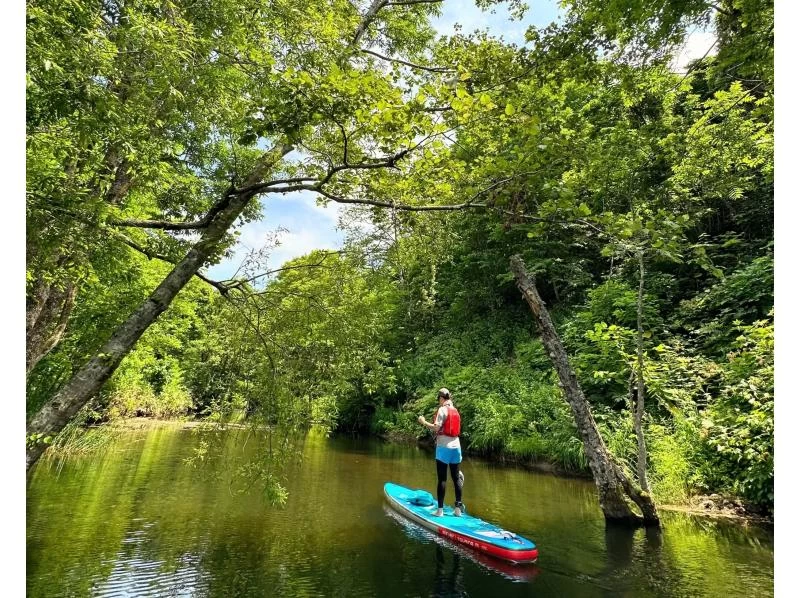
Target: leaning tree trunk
<point>641,459</point>
<point>58,411</point>
<point>612,483</point>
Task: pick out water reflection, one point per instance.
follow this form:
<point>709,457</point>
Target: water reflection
<point>513,572</point>
<point>448,580</point>
<point>136,521</point>
<point>634,555</point>
<point>134,573</point>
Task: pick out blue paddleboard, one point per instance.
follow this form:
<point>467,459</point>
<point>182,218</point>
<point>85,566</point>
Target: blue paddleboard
<point>420,506</point>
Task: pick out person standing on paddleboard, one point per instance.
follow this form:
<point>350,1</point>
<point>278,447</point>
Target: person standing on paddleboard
<point>447,427</point>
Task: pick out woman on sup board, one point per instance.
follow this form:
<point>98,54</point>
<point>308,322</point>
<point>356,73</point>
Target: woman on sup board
<point>447,426</point>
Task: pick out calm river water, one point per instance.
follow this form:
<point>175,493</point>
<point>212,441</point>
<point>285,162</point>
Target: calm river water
<point>135,520</point>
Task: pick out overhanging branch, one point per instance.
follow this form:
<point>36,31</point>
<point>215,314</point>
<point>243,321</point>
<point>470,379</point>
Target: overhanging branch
<point>161,224</point>
<point>220,286</point>
<point>431,69</point>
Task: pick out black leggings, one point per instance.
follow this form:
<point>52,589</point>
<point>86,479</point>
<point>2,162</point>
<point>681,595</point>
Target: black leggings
<point>441,473</point>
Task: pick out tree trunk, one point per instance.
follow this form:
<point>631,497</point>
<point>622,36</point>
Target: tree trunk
<point>49,304</point>
<point>641,460</point>
<point>47,312</point>
<point>612,484</point>
<point>58,411</point>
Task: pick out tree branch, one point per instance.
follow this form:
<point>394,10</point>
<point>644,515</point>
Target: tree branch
<point>372,12</point>
<point>344,141</point>
<point>220,286</point>
<point>432,69</point>
<point>436,208</point>
<point>241,282</point>
<point>719,9</point>
<point>161,224</point>
<point>386,162</point>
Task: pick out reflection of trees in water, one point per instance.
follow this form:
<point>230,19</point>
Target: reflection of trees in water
<point>636,556</point>
<point>92,520</point>
<point>687,556</point>
<point>69,551</point>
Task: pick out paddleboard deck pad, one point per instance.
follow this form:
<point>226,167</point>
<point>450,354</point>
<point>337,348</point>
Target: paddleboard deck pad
<point>420,506</point>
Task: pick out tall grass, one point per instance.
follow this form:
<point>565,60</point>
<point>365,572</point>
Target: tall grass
<point>76,439</point>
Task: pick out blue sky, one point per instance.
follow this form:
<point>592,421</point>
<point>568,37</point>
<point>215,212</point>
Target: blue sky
<point>306,225</point>
<point>496,20</point>
<point>309,226</point>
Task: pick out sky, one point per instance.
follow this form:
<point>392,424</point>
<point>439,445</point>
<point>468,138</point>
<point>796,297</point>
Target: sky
<point>305,226</point>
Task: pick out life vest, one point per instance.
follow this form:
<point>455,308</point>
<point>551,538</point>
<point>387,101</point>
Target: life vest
<point>452,422</point>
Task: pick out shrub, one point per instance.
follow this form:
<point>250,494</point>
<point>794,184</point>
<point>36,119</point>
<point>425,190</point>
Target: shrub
<point>740,423</point>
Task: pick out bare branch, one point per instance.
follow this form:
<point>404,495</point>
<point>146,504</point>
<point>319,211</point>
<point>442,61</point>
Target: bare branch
<point>386,162</point>
<point>300,179</point>
<point>238,283</point>
<point>469,204</point>
<point>372,12</point>
<point>432,69</point>
<point>345,141</point>
<point>161,224</point>
<point>694,66</point>
<point>719,9</point>
<point>374,9</point>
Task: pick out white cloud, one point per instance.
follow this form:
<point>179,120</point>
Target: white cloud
<point>698,44</point>
<point>330,212</point>
<point>295,244</point>
<point>296,221</point>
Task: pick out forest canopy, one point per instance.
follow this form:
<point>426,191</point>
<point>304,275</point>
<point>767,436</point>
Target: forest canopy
<point>154,127</point>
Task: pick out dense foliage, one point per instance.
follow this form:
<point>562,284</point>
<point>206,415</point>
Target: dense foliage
<point>582,151</point>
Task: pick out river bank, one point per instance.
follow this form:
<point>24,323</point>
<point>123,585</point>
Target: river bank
<point>705,505</point>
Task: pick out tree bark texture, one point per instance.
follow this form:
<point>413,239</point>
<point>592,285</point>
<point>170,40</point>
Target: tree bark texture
<point>641,458</point>
<point>612,484</point>
<point>46,313</point>
<point>58,411</point>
